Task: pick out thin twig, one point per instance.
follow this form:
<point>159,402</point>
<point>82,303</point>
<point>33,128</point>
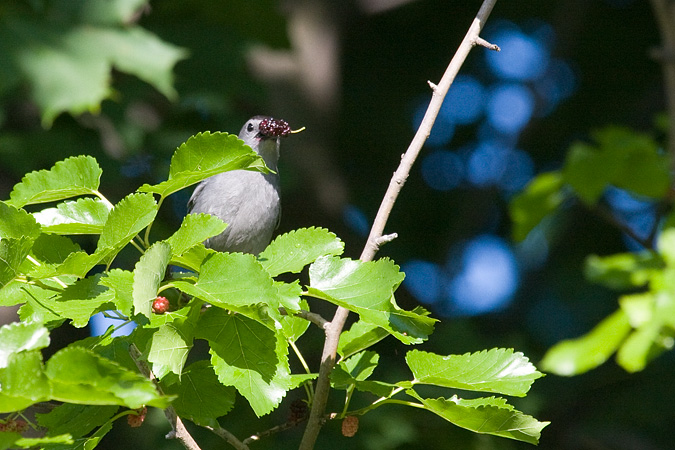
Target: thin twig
<point>229,437</point>
<point>334,328</point>
<point>315,318</point>
<point>178,430</point>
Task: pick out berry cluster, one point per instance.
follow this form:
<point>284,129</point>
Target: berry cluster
<point>298,411</point>
<point>160,305</point>
<point>13,426</point>
<point>274,127</point>
<point>136,420</point>
<point>350,425</point>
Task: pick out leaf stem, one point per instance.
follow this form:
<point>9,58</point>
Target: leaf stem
<point>105,201</point>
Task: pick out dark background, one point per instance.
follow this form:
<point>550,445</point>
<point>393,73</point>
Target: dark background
<point>354,77</point>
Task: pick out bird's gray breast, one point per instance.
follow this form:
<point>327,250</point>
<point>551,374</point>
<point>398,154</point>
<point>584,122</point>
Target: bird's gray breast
<point>247,201</point>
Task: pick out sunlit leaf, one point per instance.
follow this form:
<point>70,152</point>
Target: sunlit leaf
<point>203,155</point>
<point>148,274</point>
<point>233,281</point>
<point>17,223</point>
<point>195,229</point>
<point>541,197</point>
<point>497,370</point>
<point>623,270</point>
<point>77,175</point>
<point>82,216</point>
<point>367,289</point>
<point>131,215</point>
<point>291,252</point>
<point>21,337</point>
<point>23,381</point>
<point>491,415</point>
<point>575,356</point>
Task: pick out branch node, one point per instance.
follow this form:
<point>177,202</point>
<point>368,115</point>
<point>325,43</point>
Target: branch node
<point>483,43</point>
<point>380,241</point>
<point>432,86</point>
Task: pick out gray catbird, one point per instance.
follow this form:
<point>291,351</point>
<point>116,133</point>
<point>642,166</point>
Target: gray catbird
<point>247,201</point>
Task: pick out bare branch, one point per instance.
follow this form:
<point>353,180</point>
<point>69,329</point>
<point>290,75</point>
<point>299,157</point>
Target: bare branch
<point>178,430</point>
<point>315,318</point>
<point>334,328</point>
<point>229,437</point>
<point>482,42</point>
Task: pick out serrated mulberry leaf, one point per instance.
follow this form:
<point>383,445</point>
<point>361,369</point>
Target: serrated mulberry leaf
<point>82,216</point>
<point>292,251</point>
<point>17,223</point>
<point>148,274</point>
<point>195,229</point>
<point>490,415</point>
<point>131,215</point>
<point>248,356</point>
<point>204,155</point>
<point>201,397</point>
<point>367,288</point>
<point>497,370</point>
<point>77,175</point>
<point>20,337</point>
<point>78,375</point>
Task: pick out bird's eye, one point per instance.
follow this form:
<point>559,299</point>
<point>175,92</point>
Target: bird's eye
<point>249,127</point>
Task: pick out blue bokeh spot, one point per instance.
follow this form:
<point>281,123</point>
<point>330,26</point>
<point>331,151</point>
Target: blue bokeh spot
<point>442,170</point>
<point>510,107</point>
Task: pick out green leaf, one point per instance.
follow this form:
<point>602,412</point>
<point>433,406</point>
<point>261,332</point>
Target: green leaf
<point>12,253</point>
<point>148,274</point>
<point>359,337</point>
<point>491,415</point>
<point>292,251</point>
<point>623,158</point>
<point>589,171</point>
<point>233,281</point>
<point>121,283</point>
<point>651,314</point>
<point>575,356</point>
<point>643,169</point>
<point>17,223</point>
<point>292,326</point>
<point>497,370</point>
<point>203,155</point>
<point>82,216</point>
<point>355,370</point>
<point>624,270</point>
<point>195,229</point>
<point>542,196</point>
<point>201,397</point>
<point>81,300</point>
<point>20,337</point>
<point>169,346</point>
<point>78,420</point>
<point>50,249</point>
<point>248,356</point>
<point>367,288</point>
<point>131,215</point>
<point>67,62</point>
<point>193,258</point>
<point>23,381</point>
<point>78,375</point>
<point>77,175</point>
<point>47,442</point>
